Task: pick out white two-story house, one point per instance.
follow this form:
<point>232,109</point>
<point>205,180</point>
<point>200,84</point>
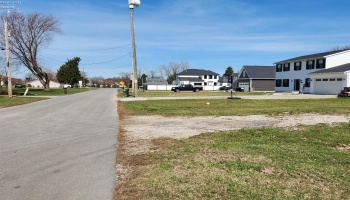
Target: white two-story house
<point>198,77</point>
<point>311,74</point>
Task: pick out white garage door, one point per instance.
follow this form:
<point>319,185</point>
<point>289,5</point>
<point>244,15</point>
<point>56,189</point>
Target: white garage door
<point>328,86</point>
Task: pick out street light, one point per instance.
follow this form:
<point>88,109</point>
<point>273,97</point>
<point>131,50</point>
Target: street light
<point>7,48</point>
<point>133,3</point>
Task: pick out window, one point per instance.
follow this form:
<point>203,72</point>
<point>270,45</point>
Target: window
<point>318,79</point>
<point>197,83</point>
<point>210,76</point>
<point>307,82</point>
<point>278,82</point>
<point>325,79</point>
<point>332,79</point>
<point>339,79</point>
<point>205,76</point>
<point>297,66</point>
<point>285,82</point>
<point>278,67</point>
<point>320,63</point>
<point>205,83</point>
<point>310,64</point>
<point>286,67</point>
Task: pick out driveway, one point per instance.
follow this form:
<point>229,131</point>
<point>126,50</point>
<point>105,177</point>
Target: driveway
<point>61,148</point>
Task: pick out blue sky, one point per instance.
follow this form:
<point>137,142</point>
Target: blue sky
<point>208,34</point>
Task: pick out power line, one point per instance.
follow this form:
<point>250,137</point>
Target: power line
<point>91,49</point>
<point>106,61</point>
<point>86,64</point>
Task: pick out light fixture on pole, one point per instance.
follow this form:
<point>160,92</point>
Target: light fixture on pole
<point>133,3</point>
<point>7,48</point>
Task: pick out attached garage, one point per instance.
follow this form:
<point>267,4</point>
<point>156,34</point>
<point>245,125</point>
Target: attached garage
<point>328,85</point>
<point>331,80</point>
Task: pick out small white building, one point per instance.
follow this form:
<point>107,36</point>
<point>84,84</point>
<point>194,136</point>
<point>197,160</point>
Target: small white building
<point>37,84</point>
<point>300,73</point>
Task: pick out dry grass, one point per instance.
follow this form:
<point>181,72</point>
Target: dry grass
<point>302,162</point>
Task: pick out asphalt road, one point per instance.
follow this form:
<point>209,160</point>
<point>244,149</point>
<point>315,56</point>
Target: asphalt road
<point>61,148</point>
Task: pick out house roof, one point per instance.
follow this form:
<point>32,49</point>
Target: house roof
<point>337,69</point>
<point>191,79</point>
<point>313,56</point>
<point>197,72</point>
<point>260,71</point>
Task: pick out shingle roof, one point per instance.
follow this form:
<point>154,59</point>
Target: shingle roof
<point>198,72</point>
<point>340,68</point>
<point>312,56</point>
<point>260,71</point>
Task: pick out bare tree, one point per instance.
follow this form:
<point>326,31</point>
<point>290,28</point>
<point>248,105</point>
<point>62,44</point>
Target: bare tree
<point>339,48</point>
<point>172,69</point>
<point>96,80</point>
<point>125,76</point>
<point>29,34</point>
<point>152,74</point>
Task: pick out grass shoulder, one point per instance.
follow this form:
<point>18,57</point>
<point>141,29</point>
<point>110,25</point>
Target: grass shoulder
<point>268,163</point>
<point>224,107</point>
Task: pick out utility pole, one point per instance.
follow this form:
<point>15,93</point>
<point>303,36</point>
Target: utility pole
<point>7,48</point>
<point>133,3</point>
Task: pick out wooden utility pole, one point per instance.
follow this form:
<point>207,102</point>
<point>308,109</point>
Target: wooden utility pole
<point>134,61</point>
<point>7,48</point>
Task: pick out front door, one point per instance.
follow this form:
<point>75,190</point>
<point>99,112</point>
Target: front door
<point>296,84</point>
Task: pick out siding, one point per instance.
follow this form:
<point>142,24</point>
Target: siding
<point>338,59</point>
<point>263,85</point>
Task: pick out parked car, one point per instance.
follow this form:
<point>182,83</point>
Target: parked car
<point>240,89</point>
<point>345,92</point>
<point>186,87</point>
<point>19,86</point>
<point>225,88</point>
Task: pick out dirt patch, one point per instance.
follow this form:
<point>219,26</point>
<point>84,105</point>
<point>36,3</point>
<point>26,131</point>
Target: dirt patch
<point>137,133</point>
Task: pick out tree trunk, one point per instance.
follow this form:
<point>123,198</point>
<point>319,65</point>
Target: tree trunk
<point>47,86</point>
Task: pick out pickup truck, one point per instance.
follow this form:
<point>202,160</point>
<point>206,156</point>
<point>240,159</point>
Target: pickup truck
<point>186,87</point>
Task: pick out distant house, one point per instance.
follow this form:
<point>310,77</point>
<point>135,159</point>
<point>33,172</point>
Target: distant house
<point>313,73</point>
<point>198,77</point>
<point>257,78</point>
<point>156,83</point>
<point>226,80</point>
<point>37,84</point>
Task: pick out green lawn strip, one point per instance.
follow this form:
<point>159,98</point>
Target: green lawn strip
<point>269,163</point>
<point>225,107</point>
<point>161,93</point>
<point>52,92</point>
<point>7,102</point>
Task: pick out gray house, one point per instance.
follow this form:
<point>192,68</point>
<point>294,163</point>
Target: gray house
<point>257,78</point>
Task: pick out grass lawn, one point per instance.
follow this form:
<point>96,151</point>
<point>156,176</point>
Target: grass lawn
<point>160,93</point>
<point>225,107</point>
<point>52,92</point>
<point>7,102</point>
<point>309,162</point>
<point>303,162</point>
